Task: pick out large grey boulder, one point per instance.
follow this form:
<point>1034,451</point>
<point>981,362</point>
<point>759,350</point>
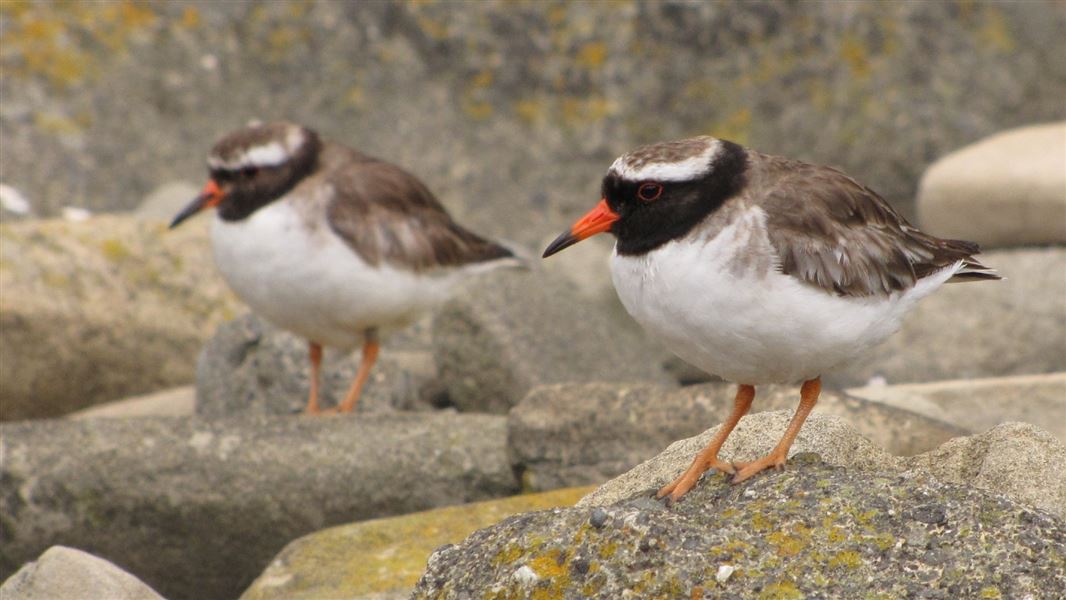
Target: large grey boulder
<point>197,508</point>
<point>1005,190</point>
<point>979,329</point>
<point>580,434</point>
<point>251,367</point>
<point>502,336</point>
<point>813,531</point>
<point>97,310</point>
<point>63,573</point>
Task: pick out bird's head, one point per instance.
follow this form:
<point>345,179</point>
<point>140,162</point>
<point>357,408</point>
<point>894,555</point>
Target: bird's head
<point>253,166</point>
<point>659,192</point>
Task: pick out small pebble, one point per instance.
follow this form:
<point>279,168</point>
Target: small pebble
<point>598,518</point>
<point>724,573</point>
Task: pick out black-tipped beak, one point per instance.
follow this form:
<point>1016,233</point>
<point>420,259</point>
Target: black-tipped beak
<point>597,220</point>
<point>210,196</point>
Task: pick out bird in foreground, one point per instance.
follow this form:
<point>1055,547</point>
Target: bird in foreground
<point>331,244</point>
<point>760,269</point>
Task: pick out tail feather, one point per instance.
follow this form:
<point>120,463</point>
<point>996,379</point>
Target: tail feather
<point>973,270</point>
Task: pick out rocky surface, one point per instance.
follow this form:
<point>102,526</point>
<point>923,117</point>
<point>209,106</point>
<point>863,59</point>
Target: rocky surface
<point>1017,173</point>
<point>980,404</point>
<point>1018,460</point>
<point>531,99</point>
<point>252,367</point>
<point>197,508</point>
<point>498,339</point>
<point>979,329</point>
<point>384,556</point>
<point>814,530</point>
<point>63,573</point>
<point>166,200</point>
<point>580,434</point>
<point>97,310</point>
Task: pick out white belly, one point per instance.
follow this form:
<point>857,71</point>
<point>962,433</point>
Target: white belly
<point>308,281</point>
<point>746,324</point>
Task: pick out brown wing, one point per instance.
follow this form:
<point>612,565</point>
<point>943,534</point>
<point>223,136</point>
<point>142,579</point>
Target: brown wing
<point>833,232</point>
<point>386,214</point>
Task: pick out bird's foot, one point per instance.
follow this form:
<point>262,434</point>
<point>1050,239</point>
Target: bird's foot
<point>687,480</point>
<point>746,470</point>
<point>333,410</point>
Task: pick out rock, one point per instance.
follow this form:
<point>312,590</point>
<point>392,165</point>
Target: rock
<point>1011,187</point>
<point>980,404</point>
<point>1016,459</point>
<point>63,573</point>
<point>175,402</point>
<point>13,204</point>
<point>811,531</point>
<point>162,203</point>
<point>579,434</point>
<point>501,337</point>
<point>384,556</point>
<point>978,329</point>
<point>525,122</point>
<point>252,367</point>
<point>197,508</point>
<point>102,309</point>
<point>831,438</point>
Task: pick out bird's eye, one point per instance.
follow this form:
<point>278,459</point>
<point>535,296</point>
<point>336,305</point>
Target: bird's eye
<point>650,191</point>
<point>249,172</point>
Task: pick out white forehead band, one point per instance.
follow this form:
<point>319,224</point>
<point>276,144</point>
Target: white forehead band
<point>265,155</point>
<point>690,168</point>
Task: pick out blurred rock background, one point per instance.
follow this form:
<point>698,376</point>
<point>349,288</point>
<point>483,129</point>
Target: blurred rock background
<point>510,111</point>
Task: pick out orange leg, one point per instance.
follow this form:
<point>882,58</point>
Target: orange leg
<point>314,351</point>
<point>808,397</point>
<point>708,458</point>
<point>370,354</point>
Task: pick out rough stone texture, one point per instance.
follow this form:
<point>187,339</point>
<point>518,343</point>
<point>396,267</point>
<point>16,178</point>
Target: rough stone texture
<point>252,367</point>
<point>384,556</point>
<point>1005,190</point>
<point>831,437</point>
<point>579,434</point>
<point>198,508</point>
<point>175,402</point>
<point>980,404</point>
<point>979,329</point>
<point>63,573</point>
<point>812,531</point>
<point>101,309</point>
<point>511,110</point>
<point>498,339</point>
<point>1017,459</point>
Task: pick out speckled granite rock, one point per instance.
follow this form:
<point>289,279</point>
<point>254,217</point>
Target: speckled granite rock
<point>251,367</point>
<point>814,530</point>
<point>197,508</point>
<point>499,338</point>
<point>62,573</point>
<point>584,433</point>
<point>383,556</point>
<point>97,310</point>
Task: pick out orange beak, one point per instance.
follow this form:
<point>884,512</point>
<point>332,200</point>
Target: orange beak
<point>595,221</point>
<point>210,196</point>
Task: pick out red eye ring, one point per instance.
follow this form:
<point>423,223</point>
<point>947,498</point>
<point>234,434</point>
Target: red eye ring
<point>650,191</point>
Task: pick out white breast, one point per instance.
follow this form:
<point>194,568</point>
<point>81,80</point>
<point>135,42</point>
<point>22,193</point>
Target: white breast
<point>296,273</point>
<point>722,305</point>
